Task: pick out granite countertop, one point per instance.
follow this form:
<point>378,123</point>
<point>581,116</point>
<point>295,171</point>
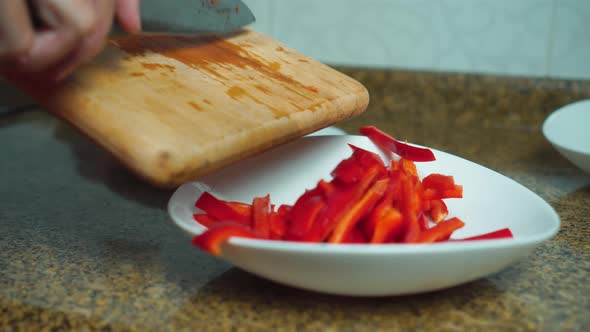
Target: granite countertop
<point>84,245</point>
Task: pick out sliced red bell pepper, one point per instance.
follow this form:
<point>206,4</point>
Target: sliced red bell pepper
<point>325,188</point>
<point>391,194</point>
<point>205,219</point>
<point>338,205</point>
<point>355,236</point>
<point>456,192</point>
<point>341,200</point>
<point>438,182</point>
<point>504,233</point>
<point>411,207</point>
<point>406,151</point>
<point>408,167</point>
<point>388,227</point>
<point>368,159</point>
<point>261,215</point>
<point>222,210</point>
<point>437,209</point>
<point>303,214</point>
<point>423,222</point>
<point>284,209</point>
<point>348,171</point>
<point>278,226</point>
<point>352,169</point>
<point>440,231</point>
<point>212,239</point>
<point>241,208</point>
<point>364,202</point>
<point>377,214</point>
<point>359,210</point>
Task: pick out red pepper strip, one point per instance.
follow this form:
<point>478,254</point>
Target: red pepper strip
<point>438,210</point>
<point>241,208</point>
<point>405,151</point>
<point>348,171</point>
<point>408,167</point>
<point>441,231</point>
<point>438,182</point>
<point>304,214</point>
<point>337,205</point>
<point>278,226</point>
<point>368,159</point>
<point>221,210</point>
<point>326,188</point>
<point>355,236</point>
<point>388,227</point>
<point>456,192</point>
<point>423,222</point>
<point>352,169</point>
<point>205,219</point>
<point>378,213</point>
<point>411,206</point>
<point>212,239</point>
<point>261,214</point>
<point>393,167</point>
<point>503,233</point>
<point>284,209</point>
<point>338,202</point>
<point>359,210</point>
<point>383,206</point>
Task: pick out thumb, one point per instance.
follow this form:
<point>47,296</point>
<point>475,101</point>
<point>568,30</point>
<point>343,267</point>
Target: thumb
<point>127,12</point>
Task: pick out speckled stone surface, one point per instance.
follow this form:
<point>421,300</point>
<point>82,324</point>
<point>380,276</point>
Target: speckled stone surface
<point>85,246</point>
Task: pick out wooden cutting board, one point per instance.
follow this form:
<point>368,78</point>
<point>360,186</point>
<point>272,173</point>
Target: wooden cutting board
<point>175,108</point>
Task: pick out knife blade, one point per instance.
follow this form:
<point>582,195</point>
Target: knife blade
<point>186,17</point>
<point>194,17</point>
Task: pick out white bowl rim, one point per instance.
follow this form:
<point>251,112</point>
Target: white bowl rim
<point>555,116</point>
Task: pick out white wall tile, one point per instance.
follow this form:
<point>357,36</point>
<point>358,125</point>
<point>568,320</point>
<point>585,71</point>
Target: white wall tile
<point>570,51</point>
<point>490,36</point>
<point>504,36</point>
<point>263,11</point>
<point>398,33</point>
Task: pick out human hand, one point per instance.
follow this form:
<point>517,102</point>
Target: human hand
<point>72,33</point>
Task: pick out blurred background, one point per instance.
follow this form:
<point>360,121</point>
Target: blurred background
<point>547,38</point>
<point>530,38</point>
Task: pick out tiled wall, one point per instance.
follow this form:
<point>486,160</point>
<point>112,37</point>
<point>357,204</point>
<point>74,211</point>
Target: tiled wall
<point>509,37</point>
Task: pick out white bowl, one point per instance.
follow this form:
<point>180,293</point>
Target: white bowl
<point>568,130</point>
<point>491,202</point>
<point>328,131</point>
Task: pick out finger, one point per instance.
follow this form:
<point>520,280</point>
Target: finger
<point>49,48</point>
<point>67,21</point>
<point>93,42</point>
<point>78,15</point>
<point>127,12</point>
<point>16,31</point>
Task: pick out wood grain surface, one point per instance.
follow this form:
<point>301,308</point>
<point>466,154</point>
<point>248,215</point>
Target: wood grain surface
<point>174,108</point>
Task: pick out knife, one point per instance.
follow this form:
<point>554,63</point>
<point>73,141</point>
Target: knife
<point>185,17</point>
<point>194,17</point>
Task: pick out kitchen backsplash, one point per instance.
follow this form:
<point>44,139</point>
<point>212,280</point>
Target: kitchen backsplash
<point>541,38</point>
